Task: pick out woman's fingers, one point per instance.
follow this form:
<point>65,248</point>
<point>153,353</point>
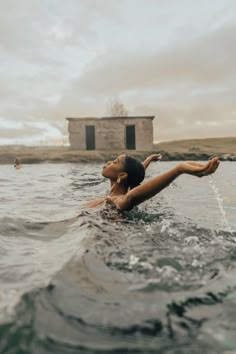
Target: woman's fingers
<point>210,167</point>
<point>200,169</point>
<point>156,156</point>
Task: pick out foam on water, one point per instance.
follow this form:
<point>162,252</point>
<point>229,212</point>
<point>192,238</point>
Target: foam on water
<point>220,203</point>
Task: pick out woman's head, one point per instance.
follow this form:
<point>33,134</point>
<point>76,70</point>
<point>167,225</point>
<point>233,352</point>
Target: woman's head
<point>126,169</point>
<point>135,171</point>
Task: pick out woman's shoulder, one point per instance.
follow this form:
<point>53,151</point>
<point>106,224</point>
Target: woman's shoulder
<point>122,202</point>
<point>94,203</point>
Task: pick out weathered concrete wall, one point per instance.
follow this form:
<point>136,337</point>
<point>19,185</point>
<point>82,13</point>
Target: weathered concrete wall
<point>110,134</point>
<point>77,137</point>
<point>144,134</point>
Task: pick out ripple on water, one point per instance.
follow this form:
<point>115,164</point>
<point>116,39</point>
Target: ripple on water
<point>159,278</point>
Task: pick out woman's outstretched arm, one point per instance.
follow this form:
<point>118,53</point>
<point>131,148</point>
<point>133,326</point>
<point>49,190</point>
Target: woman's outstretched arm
<point>148,189</point>
<point>154,157</point>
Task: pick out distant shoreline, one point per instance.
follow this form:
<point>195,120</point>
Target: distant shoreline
<point>196,149</point>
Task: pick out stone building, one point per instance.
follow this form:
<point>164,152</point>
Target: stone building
<point>111,133</point>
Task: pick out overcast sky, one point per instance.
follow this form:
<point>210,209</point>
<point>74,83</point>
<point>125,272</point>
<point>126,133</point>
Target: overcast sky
<point>174,59</point>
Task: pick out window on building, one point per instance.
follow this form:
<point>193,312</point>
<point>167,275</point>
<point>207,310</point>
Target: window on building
<point>130,137</point>
<point>90,137</point>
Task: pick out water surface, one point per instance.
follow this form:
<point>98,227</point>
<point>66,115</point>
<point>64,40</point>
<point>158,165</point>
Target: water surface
<point>158,279</point>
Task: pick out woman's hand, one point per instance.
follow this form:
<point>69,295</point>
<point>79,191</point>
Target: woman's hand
<point>156,157</point>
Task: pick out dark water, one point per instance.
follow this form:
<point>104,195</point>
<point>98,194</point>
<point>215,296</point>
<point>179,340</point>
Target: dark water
<point>159,279</point>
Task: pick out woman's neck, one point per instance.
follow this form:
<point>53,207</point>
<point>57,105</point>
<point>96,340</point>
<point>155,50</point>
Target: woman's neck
<point>117,189</point>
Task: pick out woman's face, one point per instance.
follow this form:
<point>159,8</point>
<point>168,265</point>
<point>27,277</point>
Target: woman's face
<point>112,169</point>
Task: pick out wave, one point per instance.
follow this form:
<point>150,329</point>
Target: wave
<point>123,283</point>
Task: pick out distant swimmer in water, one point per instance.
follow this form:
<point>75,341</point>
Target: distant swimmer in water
<point>17,163</point>
<point>126,173</point>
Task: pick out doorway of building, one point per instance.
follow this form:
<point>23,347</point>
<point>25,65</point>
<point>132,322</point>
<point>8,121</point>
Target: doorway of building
<point>90,137</point>
<point>130,137</point>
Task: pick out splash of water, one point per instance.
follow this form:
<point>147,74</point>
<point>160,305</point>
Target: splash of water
<point>220,203</point>
<point>159,161</point>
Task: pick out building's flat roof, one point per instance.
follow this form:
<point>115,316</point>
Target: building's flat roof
<point>110,118</point>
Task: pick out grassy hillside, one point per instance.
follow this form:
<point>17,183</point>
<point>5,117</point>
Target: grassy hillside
<point>197,149</point>
<point>214,146</point>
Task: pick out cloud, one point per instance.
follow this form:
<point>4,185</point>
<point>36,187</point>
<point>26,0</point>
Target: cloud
<point>207,60</point>
<point>28,26</point>
<point>62,59</point>
<point>191,82</point>
<point>28,132</point>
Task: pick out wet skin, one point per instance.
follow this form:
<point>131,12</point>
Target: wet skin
<point>112,169</point>
<point>125,199</point>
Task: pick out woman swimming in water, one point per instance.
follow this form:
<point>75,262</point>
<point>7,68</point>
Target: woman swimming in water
<point>126,173</point>
<point>17,164</point>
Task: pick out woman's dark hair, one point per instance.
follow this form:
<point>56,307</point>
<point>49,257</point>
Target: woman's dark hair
<point>135,171</point>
